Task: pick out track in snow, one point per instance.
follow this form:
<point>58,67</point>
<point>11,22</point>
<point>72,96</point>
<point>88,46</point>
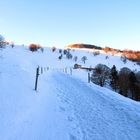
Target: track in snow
<point>65,108</point>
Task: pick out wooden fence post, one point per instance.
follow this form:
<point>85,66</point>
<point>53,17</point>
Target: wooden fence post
<point>36,81</point>
<point>88,77</point>
<point>41,70</point>
<point>65,70</point>
<point>44,69</point>
<point>71,71</point>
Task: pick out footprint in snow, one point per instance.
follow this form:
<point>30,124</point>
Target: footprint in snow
<point>72,137</point>
<point>70,119</point>
<point>61,108</point>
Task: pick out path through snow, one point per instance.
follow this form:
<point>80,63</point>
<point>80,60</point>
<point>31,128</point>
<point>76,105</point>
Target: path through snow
<point>66,108</point>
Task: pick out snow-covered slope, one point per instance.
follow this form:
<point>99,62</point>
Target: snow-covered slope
<point>65,107</point>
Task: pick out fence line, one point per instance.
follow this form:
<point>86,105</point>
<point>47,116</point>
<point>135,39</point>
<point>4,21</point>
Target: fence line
<point>68,70</point>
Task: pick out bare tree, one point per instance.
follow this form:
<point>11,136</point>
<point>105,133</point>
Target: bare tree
<point>65,52</point>
<point>100,74</point>
<point>69,55</point>
<point>124,81</point>
<point>124,59</point>
<point>75,58</point>
<point>84,58</point>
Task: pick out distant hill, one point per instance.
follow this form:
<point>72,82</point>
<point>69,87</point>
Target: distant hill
<point>129,54</point>
<point>87,46</point>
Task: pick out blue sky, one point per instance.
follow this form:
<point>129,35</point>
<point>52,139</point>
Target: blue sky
<point>113,23</point>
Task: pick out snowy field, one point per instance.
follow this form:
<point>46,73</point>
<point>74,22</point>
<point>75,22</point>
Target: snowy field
<point>65,107</point>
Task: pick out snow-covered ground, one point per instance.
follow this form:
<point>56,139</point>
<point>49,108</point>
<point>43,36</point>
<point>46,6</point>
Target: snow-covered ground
<point>65,107</point>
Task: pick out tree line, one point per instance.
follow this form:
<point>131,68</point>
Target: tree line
<point>125,81</point>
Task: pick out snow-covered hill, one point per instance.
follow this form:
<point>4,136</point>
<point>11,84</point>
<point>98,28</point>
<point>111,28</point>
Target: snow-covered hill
<point>65,107</point>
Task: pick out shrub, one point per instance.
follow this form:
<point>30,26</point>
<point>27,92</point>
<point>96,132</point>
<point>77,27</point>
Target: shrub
<point>34,47</point>
<point>60,51</point>
<point>107,57</point>
<point>12,45</point>
<point>42,49</point>
<point>60,57</point>
<point>96,53</point>
<point>107,49</point>
<point>53,49</point>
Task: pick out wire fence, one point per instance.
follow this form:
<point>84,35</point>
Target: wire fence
<point>68,70</point>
